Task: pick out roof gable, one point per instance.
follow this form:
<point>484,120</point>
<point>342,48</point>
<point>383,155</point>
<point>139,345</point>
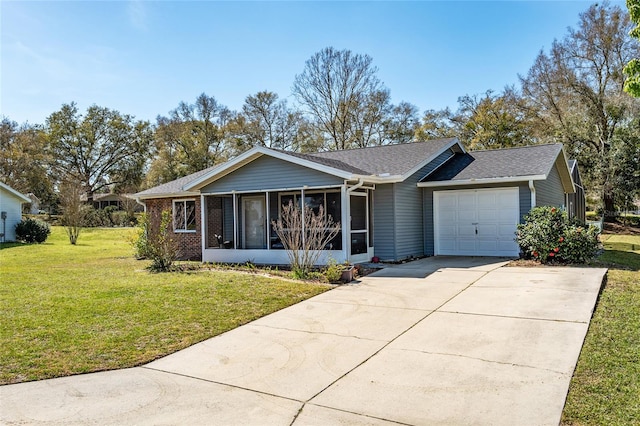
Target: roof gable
<point>391,160</point>
<point>23,198</point>
<point>385,163</point>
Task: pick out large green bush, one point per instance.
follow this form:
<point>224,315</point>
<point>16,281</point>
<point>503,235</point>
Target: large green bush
<point>548,235</point>
<point>32,231</point>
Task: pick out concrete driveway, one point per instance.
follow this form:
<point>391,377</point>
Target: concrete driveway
<point>443,340</point>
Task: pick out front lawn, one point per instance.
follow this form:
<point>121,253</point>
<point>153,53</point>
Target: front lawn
<point>605,388</point>
<point>75,309</point>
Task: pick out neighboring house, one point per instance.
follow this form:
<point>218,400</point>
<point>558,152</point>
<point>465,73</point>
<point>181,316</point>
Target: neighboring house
<point>10,211</point>
<point>33,206</point>
<point>394,202</point>
<point>120,201</point>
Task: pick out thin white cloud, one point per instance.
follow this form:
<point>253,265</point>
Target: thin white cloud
<point>137,13</point>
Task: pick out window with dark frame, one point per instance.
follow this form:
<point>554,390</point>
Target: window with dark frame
<point>184,215</point>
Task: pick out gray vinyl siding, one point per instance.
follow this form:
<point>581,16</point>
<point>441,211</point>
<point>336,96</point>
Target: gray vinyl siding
<point>550,192</point>
<point>525,201</point>
<point>429,245</point>
<point>524,198</point>
<point>270,173</point>
<point>384,222</point>
<point>398,219</point>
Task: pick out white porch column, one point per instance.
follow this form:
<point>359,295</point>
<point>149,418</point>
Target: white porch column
<point>203,224</point>
<point>346,226</point>
<point>235,221</point>
<point>268,216</point>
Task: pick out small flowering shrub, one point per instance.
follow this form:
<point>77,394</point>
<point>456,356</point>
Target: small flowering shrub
<point>548,235</point>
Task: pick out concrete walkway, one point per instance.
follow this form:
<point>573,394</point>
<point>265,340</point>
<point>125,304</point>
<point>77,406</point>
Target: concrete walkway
<point>473,343</point>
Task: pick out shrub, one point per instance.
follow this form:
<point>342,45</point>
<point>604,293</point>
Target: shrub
<point>548,235</point>
<point>580,245</point>
<point>32,231</point>
<point>304,234</point>
<point>333,271</point>
<point>96,218</point>
<point>540,235</point>
<point>157,245</point>
<point>140,242</point>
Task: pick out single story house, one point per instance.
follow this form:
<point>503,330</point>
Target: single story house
<point>119,201</point>
<point>393,202</point>
<point>33,206</point>
<point>11,202</point>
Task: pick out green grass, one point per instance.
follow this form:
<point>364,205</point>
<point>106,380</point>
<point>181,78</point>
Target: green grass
<point>605,388</point>
<point>75,309</point>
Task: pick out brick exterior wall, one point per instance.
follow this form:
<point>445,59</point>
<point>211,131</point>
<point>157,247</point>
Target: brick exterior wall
<point>190,243</point>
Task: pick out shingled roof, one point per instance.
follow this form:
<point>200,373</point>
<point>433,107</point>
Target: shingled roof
<point>379,160</point>
<point>174,187</point>
<point>389,163</point>
<point>524,161</point>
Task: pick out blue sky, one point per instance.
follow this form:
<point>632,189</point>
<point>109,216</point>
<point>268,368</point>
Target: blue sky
<point>144,57</point>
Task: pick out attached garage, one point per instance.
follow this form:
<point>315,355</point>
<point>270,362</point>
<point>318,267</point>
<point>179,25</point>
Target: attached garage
<point>476,222</point>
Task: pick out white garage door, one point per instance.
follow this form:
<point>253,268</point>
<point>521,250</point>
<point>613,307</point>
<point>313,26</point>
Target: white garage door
<point>479,222</point>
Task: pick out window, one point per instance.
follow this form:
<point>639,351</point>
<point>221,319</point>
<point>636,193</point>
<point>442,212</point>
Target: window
<point>184,216</point>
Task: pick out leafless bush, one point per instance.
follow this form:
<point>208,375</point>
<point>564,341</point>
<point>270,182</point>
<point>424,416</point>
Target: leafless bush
<point>304,234</point>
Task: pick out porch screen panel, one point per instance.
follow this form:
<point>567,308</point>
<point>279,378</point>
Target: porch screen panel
<point>358,224</point>
<point>219,222</point>
<point>214,221</point>
<point>334,211</point>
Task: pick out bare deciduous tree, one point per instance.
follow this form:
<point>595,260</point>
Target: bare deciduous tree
<point>304,234</point>
<point>266,121</point>
<point>335,87</point>
<point>74,210</point>
<point>577,91</point>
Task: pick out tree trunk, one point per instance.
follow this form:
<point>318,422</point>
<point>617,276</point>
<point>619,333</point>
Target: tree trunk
<point>609,212</point>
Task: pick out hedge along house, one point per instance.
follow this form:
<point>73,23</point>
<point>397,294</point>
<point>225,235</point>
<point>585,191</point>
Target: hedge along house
<point>394,202</point>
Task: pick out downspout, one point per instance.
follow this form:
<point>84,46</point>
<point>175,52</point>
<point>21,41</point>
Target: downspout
<point>533,193</point>
<point>141,203</point>
<point>356,186</point>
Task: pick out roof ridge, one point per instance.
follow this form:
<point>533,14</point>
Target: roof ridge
<point>381,146</point>
<point>518,147</point>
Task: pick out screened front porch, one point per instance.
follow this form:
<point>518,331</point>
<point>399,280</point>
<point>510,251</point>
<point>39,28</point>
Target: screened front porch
<point>237,226</point>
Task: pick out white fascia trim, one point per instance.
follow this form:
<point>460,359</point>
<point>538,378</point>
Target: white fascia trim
<point>484,181</point>
<point>169,195</point>
<point>253,154</point>
<point>15,193</point>
<point>377,179</point>
<point>454,142</point>
<point>288,189</point>
<point>568,169</point>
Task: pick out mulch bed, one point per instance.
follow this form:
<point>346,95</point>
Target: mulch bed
<point>621,229</point>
